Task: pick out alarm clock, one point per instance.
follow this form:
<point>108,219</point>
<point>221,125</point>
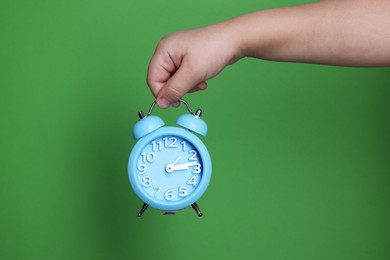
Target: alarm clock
<point>169,167</point>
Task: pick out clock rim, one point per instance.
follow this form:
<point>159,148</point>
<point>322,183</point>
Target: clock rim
<point>206,168</point>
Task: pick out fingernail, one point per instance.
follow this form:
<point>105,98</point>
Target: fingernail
<point>163,103</point>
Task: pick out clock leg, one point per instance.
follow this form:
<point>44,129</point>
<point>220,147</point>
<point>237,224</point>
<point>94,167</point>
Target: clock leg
<point>196,208</point>
<point>144,207</point>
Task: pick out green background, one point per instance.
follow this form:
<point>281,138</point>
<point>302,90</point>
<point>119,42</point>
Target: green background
<point>300,152</point>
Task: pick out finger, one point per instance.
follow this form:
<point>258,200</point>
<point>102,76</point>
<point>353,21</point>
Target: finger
<point>160,70</point>
<point>180,83</point>
<point>176,104</point>
<point>200,86</point>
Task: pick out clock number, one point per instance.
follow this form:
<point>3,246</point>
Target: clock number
<point>172,144</point>
<point>192,181</point>
<point>193,156</point>
<point>169,195</point>
<point>183,144</point>
<point>142,168</point>
<point>156,145</point>
<point>158,190</point>
<point>147,181</point>
<point>197,168</point>
<point>182,191</point>
<point>150,157</point>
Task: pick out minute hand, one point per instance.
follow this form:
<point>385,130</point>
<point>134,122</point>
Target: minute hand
<point>183,166</point>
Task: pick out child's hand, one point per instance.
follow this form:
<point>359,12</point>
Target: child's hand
<point>348,33</point>
<point>184,60</point>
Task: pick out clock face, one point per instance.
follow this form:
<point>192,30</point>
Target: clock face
<point>168,169</point>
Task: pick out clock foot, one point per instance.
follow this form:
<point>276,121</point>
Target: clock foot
<point>144,207</point>
<point>169,213</point>
<point>196,208</point>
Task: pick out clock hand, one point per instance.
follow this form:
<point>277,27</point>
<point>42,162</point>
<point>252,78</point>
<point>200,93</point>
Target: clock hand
<point>183,166</point>
<point>178,158</point>
<point>171,167</point>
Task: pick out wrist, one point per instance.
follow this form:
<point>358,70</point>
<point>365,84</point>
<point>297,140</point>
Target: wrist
<point>253,35</point>
<point>236,39</point>
<point>229,40</point>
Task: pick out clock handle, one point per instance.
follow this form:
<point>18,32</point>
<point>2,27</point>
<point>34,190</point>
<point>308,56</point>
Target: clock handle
<point>181,100</point>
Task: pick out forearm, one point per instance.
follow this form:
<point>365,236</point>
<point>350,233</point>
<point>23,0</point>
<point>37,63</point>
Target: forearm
<point>339,32</point>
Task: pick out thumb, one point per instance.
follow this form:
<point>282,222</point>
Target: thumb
<point>178,85</point>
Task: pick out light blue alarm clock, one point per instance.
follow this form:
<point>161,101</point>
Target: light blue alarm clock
<point>169,167</point>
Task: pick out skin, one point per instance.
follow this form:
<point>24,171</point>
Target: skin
<point>334,32</point>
